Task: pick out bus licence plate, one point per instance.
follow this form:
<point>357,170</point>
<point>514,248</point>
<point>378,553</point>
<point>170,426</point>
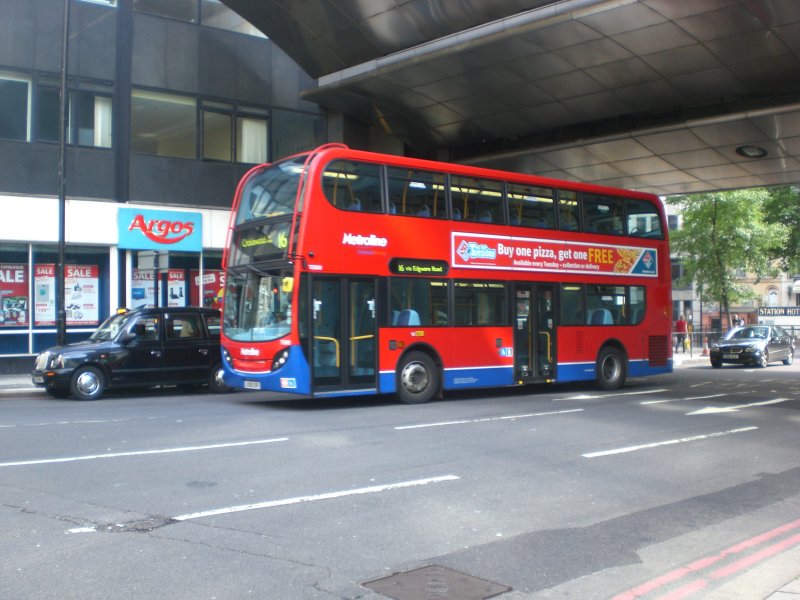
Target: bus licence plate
<point>252,385</point>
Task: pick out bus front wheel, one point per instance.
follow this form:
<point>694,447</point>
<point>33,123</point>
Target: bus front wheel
<point>610,369</point>
<point>417,378</point>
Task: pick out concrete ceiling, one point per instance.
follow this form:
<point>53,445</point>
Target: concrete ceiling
<point>655,95</point>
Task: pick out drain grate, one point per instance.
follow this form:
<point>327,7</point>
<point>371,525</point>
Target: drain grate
<point>435,582</point>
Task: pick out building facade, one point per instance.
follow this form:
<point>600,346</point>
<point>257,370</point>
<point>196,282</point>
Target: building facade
<point>169,103</point>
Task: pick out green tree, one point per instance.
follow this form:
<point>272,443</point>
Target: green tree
<point>723,235</point>
<point>783,207</point>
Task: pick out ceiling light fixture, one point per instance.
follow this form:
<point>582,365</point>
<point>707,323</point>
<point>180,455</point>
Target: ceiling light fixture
<point>751,151</point>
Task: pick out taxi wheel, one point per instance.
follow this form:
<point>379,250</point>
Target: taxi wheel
<point>87,383</point>
<point>216,383</point>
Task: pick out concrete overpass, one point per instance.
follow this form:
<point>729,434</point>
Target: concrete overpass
<point>667,96</point>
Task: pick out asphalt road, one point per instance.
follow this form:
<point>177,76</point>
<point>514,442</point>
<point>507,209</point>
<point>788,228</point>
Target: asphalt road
<point>676,484</point>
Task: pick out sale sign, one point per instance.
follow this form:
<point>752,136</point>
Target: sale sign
<point>13,295</point>
<point>512,253</point>
<point>81,294</point>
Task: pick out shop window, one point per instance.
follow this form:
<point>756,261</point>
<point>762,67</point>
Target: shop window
<point>14,107</point>
<point>163,124</point>
<point>480,303</point>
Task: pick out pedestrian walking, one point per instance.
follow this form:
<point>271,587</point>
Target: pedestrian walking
<point>680,334</point>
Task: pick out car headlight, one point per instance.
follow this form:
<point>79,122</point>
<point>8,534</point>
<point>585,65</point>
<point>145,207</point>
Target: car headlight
<point>751,349</point>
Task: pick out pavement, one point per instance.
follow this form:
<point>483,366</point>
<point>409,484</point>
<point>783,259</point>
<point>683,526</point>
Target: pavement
<point>756,584</point>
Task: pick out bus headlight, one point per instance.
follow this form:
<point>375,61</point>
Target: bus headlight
<point>226,355</point>
<point>280,359</point>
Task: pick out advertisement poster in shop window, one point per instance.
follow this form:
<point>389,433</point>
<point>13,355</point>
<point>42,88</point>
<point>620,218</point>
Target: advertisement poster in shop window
<point>213,281</point>
<point>143,290</point>
<point>81,294</point>
<point>13,295</point>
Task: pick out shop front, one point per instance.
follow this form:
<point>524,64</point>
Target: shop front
<point>116,256</point>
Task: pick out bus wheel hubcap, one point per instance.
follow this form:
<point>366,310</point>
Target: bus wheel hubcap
<point>415,378</point>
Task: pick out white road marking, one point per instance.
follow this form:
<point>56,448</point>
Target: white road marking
<point>80,422</point>
<point>595,396</point>
<point>488,419</point>
<point>710,410</point>
<point>47,461</point>
<point>683,399</point>
<point>693,438</point>
<point>374,489</point>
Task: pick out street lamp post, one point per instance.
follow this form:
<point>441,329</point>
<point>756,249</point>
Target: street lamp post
<point>61,312</point>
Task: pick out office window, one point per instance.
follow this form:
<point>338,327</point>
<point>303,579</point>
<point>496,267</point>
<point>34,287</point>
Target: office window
<point>89,118</point>
<point>163,124</point>
<point>217,128</point>
<point>221,120</point>
<point>14,107</point>
<point>182,10</point>
<point>47,121</point>
<point>251,139</point>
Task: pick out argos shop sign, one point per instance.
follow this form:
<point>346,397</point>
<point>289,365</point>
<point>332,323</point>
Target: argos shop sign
<point>141,229</point>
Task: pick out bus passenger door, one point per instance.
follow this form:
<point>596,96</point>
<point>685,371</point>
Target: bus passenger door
<point>343,352</point>
<point>534,332</point>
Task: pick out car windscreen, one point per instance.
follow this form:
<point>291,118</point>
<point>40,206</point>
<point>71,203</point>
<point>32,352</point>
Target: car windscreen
<point>109,329</point>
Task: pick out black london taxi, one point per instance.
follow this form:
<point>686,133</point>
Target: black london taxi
<point>139,348</point>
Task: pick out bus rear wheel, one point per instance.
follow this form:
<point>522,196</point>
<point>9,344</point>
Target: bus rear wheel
<point>417,378</point>
<point>610,370</point>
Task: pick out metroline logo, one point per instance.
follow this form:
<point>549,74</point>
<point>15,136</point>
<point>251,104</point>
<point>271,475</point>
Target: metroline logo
<point>352,239</point>
<point>162,231</point>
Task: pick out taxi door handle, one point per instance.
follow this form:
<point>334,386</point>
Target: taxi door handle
<point>204,351</point>
<point>156,353</point>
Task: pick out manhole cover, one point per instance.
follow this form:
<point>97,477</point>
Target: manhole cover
<point>435,582</point>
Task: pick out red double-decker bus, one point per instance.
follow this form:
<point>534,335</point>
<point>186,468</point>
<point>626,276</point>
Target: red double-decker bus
<point>350,272</point>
